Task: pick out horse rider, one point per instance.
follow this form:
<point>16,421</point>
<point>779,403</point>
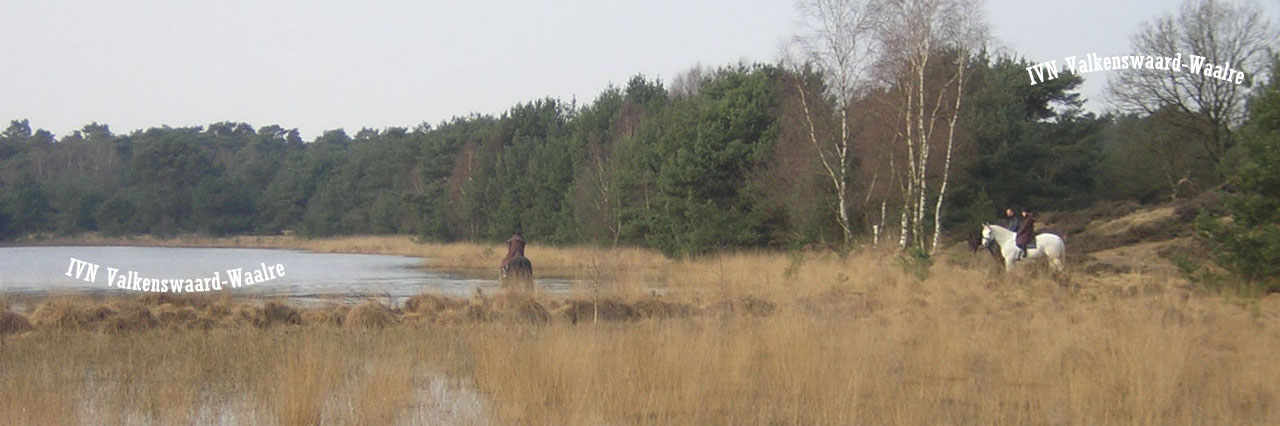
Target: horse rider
<point>515,247</point>
<point>1011,219</point>
<point>1026,231</point>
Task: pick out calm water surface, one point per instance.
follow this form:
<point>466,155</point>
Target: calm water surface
<point>308,276</point>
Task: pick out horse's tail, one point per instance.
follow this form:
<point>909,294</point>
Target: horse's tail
<point>520,267</point>
<point>519,274</point>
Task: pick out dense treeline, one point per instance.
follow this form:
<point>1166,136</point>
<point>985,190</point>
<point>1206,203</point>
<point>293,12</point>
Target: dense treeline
<point>721,162</point>
<point>683,172</point>
<point>893,125</point>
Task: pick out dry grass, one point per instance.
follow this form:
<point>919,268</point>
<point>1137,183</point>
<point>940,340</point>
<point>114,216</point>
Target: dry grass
<point>11,323</point>
<point>1136,219</point>
<point>370,315</point>
<point>741,338</point>
<point>280,375</point>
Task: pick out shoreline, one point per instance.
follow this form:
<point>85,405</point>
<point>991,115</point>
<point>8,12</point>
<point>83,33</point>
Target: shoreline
<point>467,260</point>
<point>186,241</point>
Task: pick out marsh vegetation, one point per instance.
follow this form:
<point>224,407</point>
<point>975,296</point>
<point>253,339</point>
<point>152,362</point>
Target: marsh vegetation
<point>741,338</point>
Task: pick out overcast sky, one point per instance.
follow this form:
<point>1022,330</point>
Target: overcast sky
<point>317,65</point>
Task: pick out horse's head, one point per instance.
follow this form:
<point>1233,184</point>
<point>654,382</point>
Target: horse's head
<point>987,239</point>
<point>982,239</point>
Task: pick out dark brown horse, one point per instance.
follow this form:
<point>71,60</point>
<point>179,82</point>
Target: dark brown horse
<point>518,274</point>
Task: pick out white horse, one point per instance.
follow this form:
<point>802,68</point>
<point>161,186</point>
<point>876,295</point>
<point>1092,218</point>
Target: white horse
<point>1047,245</point>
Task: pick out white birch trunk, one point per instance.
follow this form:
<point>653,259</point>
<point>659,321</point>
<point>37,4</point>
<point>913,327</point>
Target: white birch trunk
<point>951,137</point>
<point>837,172</point>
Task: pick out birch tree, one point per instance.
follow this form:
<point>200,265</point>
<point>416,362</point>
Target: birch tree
<point>927,45</point>
<point>838,41</point>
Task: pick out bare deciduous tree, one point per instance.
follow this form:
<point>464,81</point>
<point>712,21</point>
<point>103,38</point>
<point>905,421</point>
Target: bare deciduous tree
<point>918,38</point>
<point>687,83</point>
<point>1221,33</point>
<point>838,42</point>
<point>920,50</point>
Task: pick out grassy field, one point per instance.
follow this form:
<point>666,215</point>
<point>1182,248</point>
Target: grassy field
<point>741,338</point>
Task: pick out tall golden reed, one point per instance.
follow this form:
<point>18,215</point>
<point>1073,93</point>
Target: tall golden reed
<point>739,338</point>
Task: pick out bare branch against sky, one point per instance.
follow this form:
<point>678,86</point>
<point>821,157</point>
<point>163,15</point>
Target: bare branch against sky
<point>1215,32</point>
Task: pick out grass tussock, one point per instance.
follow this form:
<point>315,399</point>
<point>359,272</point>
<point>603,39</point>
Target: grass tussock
<point>370,315</point>
<point>12,323</point>
<point>740,338</point>
<point>136,314</point>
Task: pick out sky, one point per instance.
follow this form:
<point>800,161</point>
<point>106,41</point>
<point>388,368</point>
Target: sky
<point>319,65</point>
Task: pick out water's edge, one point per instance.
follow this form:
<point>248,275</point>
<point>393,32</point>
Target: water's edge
<point>308,277</point>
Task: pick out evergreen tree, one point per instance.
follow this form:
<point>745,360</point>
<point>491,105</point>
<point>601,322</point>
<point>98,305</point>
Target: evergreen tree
<point>710,144</point>
<point>1249,244</point>
<point>29,206</point>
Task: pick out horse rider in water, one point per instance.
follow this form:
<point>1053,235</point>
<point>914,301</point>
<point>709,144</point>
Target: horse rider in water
<point>515,247</point>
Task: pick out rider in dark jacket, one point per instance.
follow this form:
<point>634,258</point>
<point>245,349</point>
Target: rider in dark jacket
<point>1026,231</point>
<point>1013,219</point>
<point>515,247</point>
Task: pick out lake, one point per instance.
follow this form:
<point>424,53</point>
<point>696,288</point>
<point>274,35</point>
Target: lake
<point>307,276</point>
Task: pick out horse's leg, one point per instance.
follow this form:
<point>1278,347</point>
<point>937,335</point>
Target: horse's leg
<point>1055,250</point>
<point>1059,270</point>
